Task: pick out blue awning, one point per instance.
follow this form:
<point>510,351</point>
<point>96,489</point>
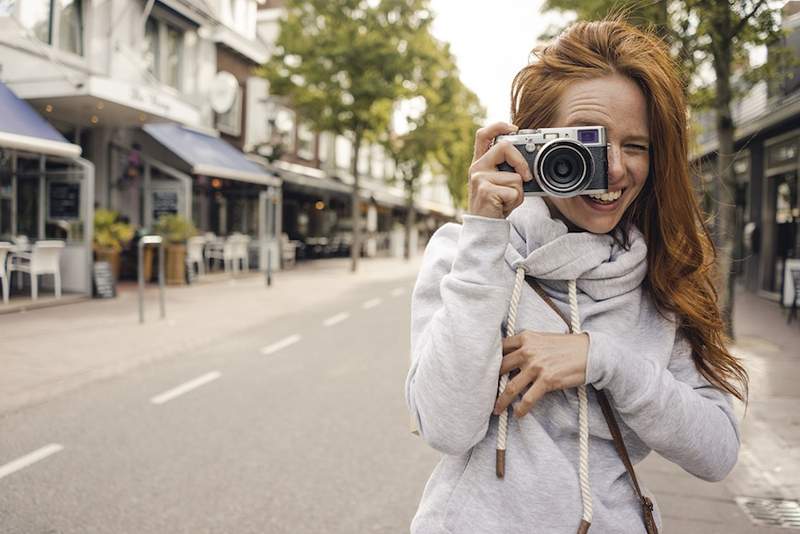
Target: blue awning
<point>206,154</point>
<point>22,128</point>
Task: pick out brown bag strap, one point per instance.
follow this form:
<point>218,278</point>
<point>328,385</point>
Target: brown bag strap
<point>611,420</point>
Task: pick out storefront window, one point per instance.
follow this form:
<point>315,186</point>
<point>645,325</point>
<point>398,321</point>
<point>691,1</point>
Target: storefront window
<point>6,195</point>
<point>784,153</point>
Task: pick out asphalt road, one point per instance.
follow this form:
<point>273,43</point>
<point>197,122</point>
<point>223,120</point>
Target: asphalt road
<point>265,433</point>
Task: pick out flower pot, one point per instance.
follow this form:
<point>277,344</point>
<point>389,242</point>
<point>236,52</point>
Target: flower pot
<point>176,264</point>
<point>111,256</point>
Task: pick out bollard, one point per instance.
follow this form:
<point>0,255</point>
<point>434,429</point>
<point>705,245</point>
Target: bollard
<point>151,240</point>
<point>269,267</point>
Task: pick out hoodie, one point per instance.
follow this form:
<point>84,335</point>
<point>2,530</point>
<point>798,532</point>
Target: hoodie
<point>460,308</point>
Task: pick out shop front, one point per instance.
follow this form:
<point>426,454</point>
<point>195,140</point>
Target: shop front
<point>46,194</point>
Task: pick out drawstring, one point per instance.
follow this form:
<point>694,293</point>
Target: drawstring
<point>583,403</point>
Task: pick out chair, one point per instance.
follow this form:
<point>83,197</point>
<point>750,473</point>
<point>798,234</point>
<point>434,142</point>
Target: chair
<point>796,283</point>
<point>241,253</point>
<point>288,250</point>
<point>194,253</point>
<point>5,248</point>
<point>42,259</point>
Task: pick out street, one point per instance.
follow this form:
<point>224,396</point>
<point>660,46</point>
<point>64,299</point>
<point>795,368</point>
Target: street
<point>291,420</point>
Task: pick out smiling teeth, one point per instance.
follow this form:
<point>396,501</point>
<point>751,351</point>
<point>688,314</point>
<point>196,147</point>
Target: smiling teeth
<point>608,197</point>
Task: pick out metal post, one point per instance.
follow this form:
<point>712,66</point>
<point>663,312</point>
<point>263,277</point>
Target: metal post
<point>269,266</point>
<point>144,241</point>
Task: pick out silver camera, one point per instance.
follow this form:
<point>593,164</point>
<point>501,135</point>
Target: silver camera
<point>564,161</point>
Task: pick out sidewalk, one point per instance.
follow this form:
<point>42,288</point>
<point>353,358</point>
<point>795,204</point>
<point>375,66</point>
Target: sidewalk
<point>46,352</point>
<point>769,459</point>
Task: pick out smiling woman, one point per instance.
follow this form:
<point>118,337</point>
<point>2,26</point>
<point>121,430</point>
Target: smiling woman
<point>629,270</point>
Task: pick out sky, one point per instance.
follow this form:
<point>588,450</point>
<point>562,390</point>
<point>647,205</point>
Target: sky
<point>491,42</point>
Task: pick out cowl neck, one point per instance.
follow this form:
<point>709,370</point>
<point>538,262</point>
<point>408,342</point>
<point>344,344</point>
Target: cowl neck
<point>546,250</point>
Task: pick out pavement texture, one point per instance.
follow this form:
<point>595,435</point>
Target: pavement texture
<point>47,353</point>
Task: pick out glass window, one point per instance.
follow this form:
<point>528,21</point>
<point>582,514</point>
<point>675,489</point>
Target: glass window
<point>35,15</point>
<point>344,152</point>
<point>230,122</point>
<point>151,54</point>
<point>782,153</point>
<point>305,142</point>
<point>363,159</point>
<point>173,57</point>
<point>70,26</point>
<point>377,162</point>
<point>284,125</point>
<point>7,8</point>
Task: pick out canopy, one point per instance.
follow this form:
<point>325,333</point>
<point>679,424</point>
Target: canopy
<point>22,128</point>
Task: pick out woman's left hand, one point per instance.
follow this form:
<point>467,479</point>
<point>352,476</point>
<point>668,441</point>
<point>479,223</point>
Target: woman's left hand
<point>546,362</point>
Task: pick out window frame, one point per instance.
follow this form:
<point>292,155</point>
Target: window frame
<point>54,25</point>
<point>162,54</point>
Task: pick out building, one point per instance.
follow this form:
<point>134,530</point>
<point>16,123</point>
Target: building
<point>767,168</point>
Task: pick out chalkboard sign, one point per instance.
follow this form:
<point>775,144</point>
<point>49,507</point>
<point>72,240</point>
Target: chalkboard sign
<point>164,203</point>
<point>65,200</point>
<point>103,280</point>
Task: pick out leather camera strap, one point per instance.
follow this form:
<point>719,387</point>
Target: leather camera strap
<point>611,421</point>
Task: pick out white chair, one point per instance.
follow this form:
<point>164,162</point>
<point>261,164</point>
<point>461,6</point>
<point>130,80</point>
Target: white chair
<point>194,253</point>
<point>5,248</point>
<point>43,259</point>
<point>288,250</point>
<point>241,252</point>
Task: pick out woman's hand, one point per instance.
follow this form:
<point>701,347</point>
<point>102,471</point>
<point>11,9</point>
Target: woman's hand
<point>546,362</point>
<point>494,193</point>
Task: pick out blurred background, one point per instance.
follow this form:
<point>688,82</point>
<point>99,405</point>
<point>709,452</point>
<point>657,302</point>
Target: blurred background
<point>212,214</point>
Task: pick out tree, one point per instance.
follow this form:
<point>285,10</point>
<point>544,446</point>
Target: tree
<point>716,35</point>
<point>343,64</point>
<point>443,127</point>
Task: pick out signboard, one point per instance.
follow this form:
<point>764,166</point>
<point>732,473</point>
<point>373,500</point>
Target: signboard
<point>103,280</point>
<point>792,265</point>
<point>164,203</point>
<point>64,200</point>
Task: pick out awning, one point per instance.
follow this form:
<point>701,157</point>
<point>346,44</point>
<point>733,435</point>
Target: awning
<point>22,128</point>
<point>207,155</point>
<point>309,179</point>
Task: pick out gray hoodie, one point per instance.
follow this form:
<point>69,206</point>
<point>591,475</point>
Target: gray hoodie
<point>459,309</point>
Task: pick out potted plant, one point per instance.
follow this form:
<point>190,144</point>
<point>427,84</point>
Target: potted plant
<point>110,235</point>
<point>175,230</point>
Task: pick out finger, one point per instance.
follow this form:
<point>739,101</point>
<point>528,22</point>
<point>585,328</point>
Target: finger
<point>504,152</point>
<point>484,137</point>
<point>511,362</point>
<point>531,397</point>
<point>513,388</point>
<point>500,196</point>
<point>512,343</point>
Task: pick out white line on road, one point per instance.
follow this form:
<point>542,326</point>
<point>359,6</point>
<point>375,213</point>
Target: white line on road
<point>396,292</point>
<point>29,459</point>
<point>185,388</point>
<point>283,343</point>
<point>371,303</point>
<point>330,321</point>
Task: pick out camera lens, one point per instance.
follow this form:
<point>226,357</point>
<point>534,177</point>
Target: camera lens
<point>562,167</point>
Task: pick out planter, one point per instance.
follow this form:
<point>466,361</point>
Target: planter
<point>176,264</point>
<point>111,256</point>
<point>147,262</point>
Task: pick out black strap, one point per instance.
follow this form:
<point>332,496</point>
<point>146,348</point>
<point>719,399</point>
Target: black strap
<point>611,421</point>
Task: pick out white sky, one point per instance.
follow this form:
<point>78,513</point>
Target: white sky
<point>491,42</point>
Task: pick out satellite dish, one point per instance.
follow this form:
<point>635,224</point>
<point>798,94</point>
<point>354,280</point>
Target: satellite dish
<point>223,91</point>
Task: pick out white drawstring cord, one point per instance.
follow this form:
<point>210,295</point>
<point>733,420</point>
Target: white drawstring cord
<point>583,414</point>
<point>502,424</point>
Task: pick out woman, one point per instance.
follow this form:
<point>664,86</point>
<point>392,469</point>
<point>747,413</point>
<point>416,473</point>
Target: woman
<point>639,261</point>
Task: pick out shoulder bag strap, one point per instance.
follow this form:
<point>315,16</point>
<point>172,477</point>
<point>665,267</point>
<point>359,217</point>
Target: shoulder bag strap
<point>611,421</point>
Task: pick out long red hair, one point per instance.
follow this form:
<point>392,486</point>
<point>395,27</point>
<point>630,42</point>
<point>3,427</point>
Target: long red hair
<point>680,253</point>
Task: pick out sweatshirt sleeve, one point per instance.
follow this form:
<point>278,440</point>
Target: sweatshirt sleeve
<point>457,308</point>
<point>674,410</point>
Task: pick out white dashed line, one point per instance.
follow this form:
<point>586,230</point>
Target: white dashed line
<point>330,321</point>
<point>185,388</point>
<point>396,292</point>
<point>283,343</point>
<point>371,303</point>
<point>29,459</point>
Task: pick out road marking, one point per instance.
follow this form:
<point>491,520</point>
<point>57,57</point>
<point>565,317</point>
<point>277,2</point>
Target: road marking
<point>29,459</point>
<point>185,388</point>
<point>330,321</point>
<point>283,343</point>
<point>371,303</point>
<point>396,292</point>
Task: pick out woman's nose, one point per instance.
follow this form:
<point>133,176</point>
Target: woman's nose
<point>616,165</point>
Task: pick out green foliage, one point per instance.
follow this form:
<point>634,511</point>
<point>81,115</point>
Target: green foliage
<point>174,228</point>
<point>109,232</point>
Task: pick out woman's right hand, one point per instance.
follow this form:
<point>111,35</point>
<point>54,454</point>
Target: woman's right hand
<point>494,193</point>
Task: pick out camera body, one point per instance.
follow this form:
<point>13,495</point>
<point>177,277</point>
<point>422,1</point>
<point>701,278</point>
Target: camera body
<point>565,162</point>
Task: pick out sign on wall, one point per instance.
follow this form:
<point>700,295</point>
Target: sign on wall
<point>64,200</point>
<point>164,203</point>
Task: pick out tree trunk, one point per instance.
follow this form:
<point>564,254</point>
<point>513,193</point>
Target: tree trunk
<point>410,217</point>
<point>355,248</point>
<point>726,198</point>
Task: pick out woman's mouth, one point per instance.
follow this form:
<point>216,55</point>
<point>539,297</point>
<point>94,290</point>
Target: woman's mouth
<point>604,201</point>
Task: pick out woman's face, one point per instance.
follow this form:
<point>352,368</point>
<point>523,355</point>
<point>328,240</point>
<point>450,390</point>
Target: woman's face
<point>617,103</point>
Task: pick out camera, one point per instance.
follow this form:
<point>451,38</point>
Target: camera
<point>564,161</point>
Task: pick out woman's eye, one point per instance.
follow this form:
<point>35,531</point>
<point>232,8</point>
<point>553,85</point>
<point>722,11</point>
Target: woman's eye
<point>637,147</point>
